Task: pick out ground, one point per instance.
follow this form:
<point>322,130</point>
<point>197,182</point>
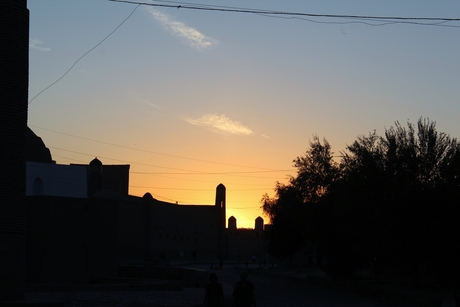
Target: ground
<point>274,287</point>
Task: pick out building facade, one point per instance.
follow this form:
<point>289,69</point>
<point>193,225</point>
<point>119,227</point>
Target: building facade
<point>84,226</point>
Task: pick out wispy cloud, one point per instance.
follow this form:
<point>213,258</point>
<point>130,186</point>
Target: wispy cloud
<point>34,43</point>
<point>151,104</point>
<point>221,123</point>
<point>192,36</point>
<point>155,106</point>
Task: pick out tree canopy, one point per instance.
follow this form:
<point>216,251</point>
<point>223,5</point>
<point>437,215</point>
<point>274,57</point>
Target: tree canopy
<point>390,200</point>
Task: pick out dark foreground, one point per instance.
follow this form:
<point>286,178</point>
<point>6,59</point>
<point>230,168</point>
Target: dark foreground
<point>273,289</point>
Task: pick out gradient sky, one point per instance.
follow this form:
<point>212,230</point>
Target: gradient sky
<point>191,99</point>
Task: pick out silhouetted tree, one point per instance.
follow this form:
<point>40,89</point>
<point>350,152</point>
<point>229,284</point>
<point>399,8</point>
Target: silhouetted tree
<point>286,218</point>
<point>364,188</point>
<point>316,171</point>
<point>391,201</point>
<point>288,210</point>
<point>401,181</point>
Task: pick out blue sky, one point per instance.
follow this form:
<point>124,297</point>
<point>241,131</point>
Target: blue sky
<point>191,98</point>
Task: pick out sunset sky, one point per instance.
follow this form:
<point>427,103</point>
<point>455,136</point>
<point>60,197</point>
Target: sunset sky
<point>194,98</point>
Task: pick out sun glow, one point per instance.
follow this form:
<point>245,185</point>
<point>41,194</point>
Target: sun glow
<point>242,202</point>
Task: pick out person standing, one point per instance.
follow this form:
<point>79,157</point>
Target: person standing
<point>244,292</point>
<point>214,295</point>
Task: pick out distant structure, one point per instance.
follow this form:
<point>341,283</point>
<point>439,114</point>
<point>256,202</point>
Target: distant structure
<point>243,244</point>
<point>82,221</point>
<point>45,177</point>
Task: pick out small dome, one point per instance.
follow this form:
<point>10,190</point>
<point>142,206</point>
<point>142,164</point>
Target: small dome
<point>147,197</point>
<point>95,167</point>
<point>95,162</point>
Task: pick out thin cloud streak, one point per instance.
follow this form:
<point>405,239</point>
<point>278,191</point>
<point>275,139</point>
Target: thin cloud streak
<point>221,123</point>
<point>194,38</point>
<point>33,43</point>
<point>154,105</point>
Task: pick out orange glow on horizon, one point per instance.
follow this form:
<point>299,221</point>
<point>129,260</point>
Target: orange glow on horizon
<point>243,201</point>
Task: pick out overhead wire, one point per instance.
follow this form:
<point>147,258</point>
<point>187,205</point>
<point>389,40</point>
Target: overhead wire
<point>292,15</point>
<point>392,19</point>
<point>152,152</point>
<point>357,21</point>
<point>187,172</point>
<point>209,8</point>
<point>57,179</point>
<point>238,174</point>
<point>188,189</point>
<point>86,53</point>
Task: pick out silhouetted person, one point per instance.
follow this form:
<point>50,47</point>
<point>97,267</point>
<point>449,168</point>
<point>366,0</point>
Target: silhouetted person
<point>214,295</point>
<point>244,292</point>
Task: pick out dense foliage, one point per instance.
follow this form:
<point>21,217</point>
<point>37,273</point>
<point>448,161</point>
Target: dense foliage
<point>391,202</point>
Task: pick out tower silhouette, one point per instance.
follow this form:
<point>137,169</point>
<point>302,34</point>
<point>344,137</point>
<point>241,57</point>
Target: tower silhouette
<point>94,177</point>
<point>14,83</point>
<point>221,220</point>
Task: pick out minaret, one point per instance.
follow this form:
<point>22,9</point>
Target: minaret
<point>221,220</point>
<point>259,224</point>
<point>232,223</point>
<point>94,177</point>
<point>149,202</point>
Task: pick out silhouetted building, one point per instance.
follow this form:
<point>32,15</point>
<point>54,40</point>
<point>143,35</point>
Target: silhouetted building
<point>231,223</point>
<point>36,151</point>
<point>14,84</point>
<point>244,243</point>
<point>45,177</point>
<point>107,177</point>
<point>85,226</point>
<point>259,225</point>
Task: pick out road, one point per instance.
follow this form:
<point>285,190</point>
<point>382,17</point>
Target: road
<point>276,291</point>
<point>271,291</point>
<point>281,291</point>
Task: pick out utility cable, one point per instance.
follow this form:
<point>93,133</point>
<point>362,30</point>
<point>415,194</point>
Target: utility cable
<point>154,152</point>
<point>184,172</point>
<point>266,12</point>
<point>78,60</point>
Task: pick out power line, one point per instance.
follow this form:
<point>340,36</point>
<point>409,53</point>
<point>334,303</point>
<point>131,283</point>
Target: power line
<point>155,174</point>
<point>152,152</point>
<point>434,21</point>
<point>188,189</point>
<point>208,181</point>
<point>246,208</point>
<point>147,188</point>
<point>368,23</point>
<point>81,57</point>
<point>393,19</point>
<point>186,172</point>
<point>212,173</point>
